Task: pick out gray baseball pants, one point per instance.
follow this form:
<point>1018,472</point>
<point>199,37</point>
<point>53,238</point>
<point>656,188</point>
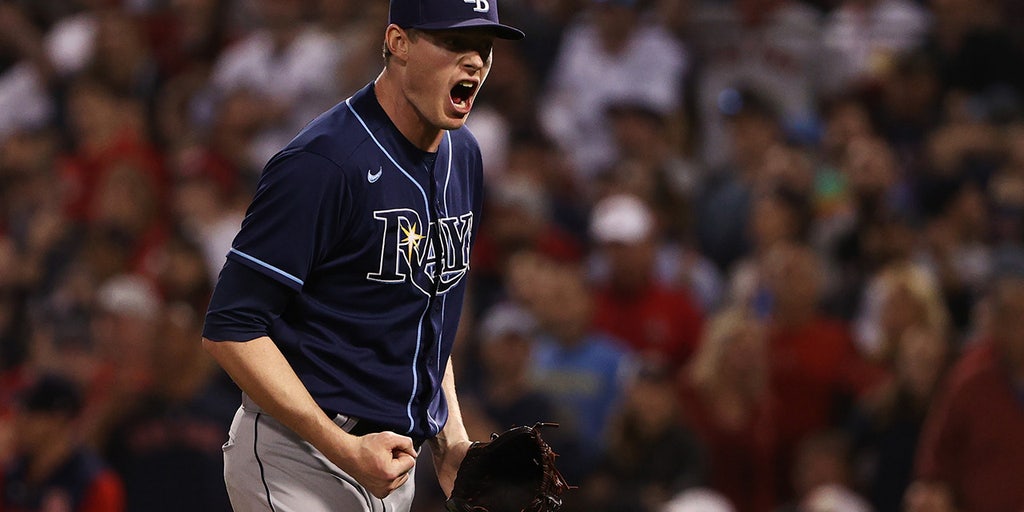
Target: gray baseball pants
<point>269,468</point>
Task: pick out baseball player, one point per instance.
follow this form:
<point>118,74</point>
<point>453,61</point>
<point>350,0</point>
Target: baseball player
<point>337,307</point>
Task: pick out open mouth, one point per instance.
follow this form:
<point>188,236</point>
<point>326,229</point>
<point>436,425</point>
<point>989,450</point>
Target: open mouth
<point>462,92</point>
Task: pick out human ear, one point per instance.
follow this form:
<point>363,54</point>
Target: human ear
<point>396,40</point>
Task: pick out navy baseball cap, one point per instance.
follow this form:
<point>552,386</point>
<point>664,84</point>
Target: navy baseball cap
<point>451,14</point>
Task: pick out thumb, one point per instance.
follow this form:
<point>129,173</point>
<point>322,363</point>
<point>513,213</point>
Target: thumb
<point>403,461</point>
<point>401,445</point>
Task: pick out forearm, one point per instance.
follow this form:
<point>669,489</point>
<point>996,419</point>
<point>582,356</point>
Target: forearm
<point>261,371</point>
<point>454,430</point>
<point>451,444</point>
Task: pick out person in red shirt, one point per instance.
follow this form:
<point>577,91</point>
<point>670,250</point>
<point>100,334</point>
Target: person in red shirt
<point>971,455</point>
<point>814,367</point>
<point>52,470</point>
<point>656,321</point>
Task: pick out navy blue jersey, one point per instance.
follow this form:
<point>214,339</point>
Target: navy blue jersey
<point>370,237</point>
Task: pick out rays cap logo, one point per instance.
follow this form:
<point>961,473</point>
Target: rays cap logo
<point>451,14</point>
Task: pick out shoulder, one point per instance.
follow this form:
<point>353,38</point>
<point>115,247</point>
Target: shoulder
<point>464,140</point>
<point>976,366</point>
<point>466,151</point>
<point>334,137</point>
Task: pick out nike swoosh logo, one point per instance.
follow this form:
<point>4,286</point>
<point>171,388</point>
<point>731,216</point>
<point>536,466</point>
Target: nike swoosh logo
<point>373,177</point>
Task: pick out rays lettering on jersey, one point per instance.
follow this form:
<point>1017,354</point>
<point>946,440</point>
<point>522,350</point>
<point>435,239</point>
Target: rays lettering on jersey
<point>408,254</point>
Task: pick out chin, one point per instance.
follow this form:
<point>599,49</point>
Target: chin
<point>452,123</point>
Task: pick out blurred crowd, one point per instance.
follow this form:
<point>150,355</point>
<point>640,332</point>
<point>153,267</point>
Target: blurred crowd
<point>751,255</point>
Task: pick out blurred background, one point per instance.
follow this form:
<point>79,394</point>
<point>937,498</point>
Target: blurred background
<point>752,255</point>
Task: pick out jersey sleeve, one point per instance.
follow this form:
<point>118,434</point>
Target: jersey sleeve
<point>295,213</point>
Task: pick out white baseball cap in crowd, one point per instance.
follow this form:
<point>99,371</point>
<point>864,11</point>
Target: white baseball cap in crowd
<point>129,295</point>
<point>505,319</point>
<point>834,498</point>
<point>698,500</point>
<point>621,218</point>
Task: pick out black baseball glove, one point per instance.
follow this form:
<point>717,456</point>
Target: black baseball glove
<point>513,472</point>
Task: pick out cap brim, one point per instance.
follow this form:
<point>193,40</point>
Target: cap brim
<point>500,31</point>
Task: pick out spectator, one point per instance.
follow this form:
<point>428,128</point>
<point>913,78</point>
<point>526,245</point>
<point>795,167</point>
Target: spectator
<point>652,166</point>
<point>778,216</point>
<point>958,253</point>
<point>966,30</point>
<point>901,296</point>
<point>508,398</point>
<point>969,454</point>
<point>724,198</point>
<point>290,68</point>
<point>518,219</point>
<point>871,227</point>
<point>822,476</point>
<point>504,115</point>
<point>846,118</point>
<point>651,455</point>
<point>769,46</point>
<point>52,469</point>
<point>186,36</point>
<point>354,29</point>
<point>181,275</point>
<point>122,60</point>
<point>207,202</point>
<point>125,331</point>
<point>815,371</point>
<point>862,37</point>
<point>887,424</point>
<point>657,322</point>
<point>611,52</point>
<point>909,106</point>
<point>581,370</point>
<point>167,444</point>
<point>507,395</point>
<point>726,400</point>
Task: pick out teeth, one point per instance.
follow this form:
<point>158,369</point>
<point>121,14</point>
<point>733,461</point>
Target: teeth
<point>466,83</point>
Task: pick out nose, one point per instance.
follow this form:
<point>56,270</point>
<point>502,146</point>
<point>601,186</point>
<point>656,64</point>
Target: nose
<point>473,62</point>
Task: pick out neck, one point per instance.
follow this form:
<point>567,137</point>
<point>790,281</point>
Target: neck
<point>403,113</point>
<point>795,316</point>
<point>283,37</point>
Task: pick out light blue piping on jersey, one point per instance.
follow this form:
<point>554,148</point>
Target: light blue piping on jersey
<point>444,298</point>
<point>267,266</point>
<point>448,176</point>
<point>419,328</point>
<point>444,196</point>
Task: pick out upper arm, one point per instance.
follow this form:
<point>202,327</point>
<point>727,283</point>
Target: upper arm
<point>293,218</point>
